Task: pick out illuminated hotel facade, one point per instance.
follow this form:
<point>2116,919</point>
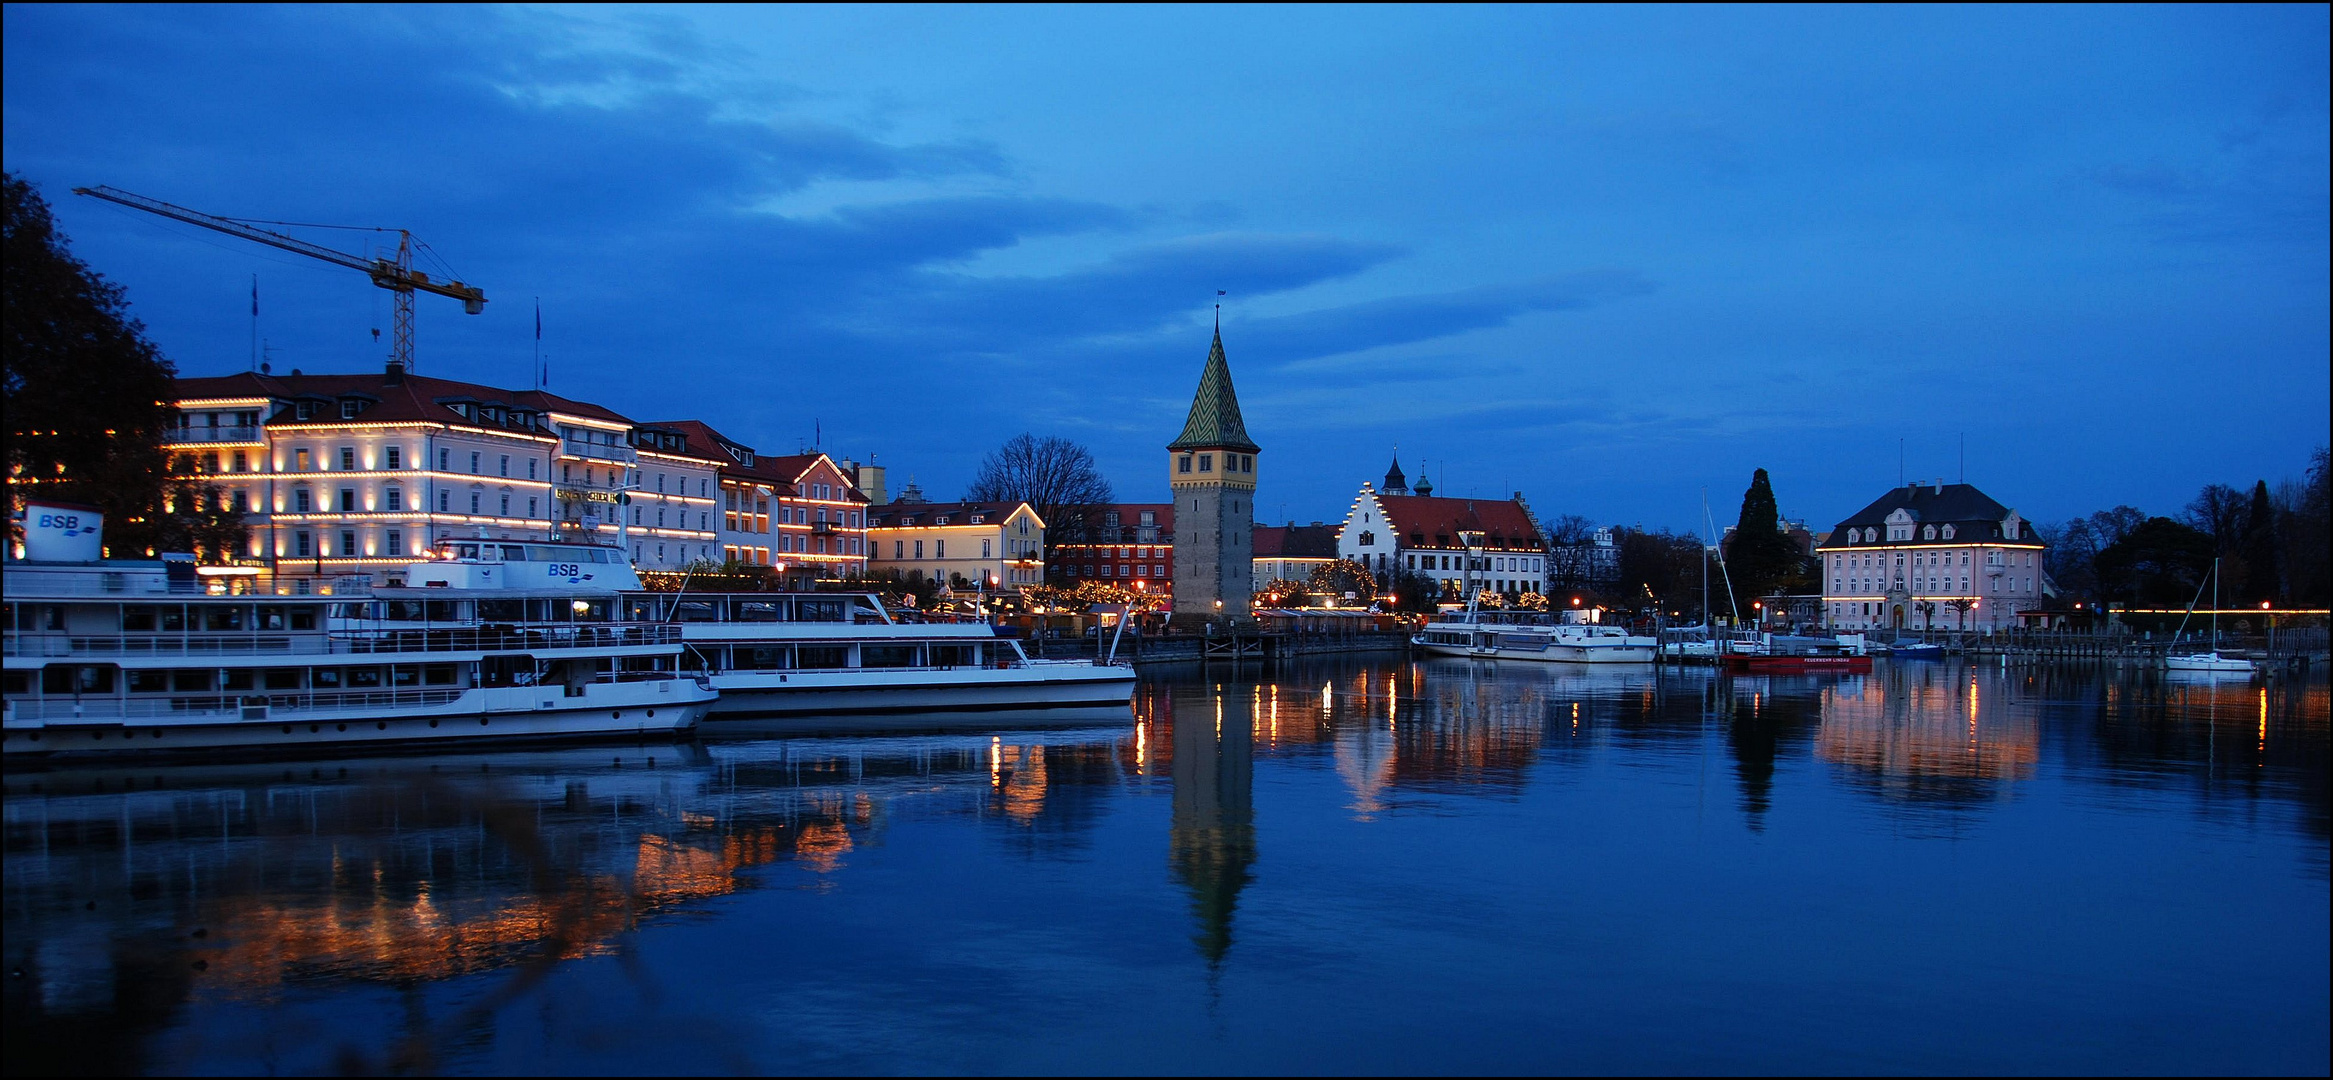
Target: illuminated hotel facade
<point>1936,555</point>
<point>345,474</point>
<point>799,514</point>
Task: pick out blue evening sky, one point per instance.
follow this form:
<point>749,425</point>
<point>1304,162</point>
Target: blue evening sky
<point>1605,256</point>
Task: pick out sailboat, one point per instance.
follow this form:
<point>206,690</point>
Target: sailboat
<point>2211,662</point>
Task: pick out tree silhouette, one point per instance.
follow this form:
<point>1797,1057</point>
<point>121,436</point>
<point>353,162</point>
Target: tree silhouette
<point>1056,477</point>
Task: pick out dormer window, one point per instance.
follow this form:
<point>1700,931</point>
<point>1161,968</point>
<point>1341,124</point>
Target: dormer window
<point>979,519</point>
<point>348,409</point>
<point>1948,531</point>
<point>1928,533</point>
<point>940,520</point>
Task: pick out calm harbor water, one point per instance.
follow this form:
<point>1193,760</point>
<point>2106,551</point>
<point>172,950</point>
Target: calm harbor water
<point>1357,865</point>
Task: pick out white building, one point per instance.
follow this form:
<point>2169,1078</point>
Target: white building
<point>1931,555</point>
<point>1393,532</point>
<point>355,474</point>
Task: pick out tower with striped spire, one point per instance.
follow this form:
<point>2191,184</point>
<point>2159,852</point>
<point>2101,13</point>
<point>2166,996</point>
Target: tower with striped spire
<point>1211,467</point>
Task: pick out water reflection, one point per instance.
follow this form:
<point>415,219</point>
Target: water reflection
<point>143,905</point>
<point>1211,837</point>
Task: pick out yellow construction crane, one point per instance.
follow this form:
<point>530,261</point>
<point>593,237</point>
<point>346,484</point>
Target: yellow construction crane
<point>399,276</point>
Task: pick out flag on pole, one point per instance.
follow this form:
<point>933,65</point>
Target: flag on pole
<point>254,296</point>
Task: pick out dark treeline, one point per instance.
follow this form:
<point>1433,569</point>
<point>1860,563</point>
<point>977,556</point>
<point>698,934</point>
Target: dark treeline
<point>2272,544</point>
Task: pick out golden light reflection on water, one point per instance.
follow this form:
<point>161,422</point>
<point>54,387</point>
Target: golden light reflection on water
<point>1906,730</point>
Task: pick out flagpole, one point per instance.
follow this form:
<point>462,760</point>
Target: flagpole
<point>538,365</point>
<point>255,322</point>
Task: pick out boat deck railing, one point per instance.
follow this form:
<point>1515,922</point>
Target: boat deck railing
<point>353,642</point>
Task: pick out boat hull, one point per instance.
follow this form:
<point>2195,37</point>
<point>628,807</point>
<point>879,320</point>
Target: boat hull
<point>1040,685</point>
<point>1796,665</point>
<point>660,709</point>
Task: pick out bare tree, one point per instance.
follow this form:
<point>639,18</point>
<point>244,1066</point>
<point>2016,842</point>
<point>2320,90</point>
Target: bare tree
<point>1056,477</point>
<point>2219,512</point>
<point>1571,552</point>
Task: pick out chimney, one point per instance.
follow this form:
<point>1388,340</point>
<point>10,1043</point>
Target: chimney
<point>396,373</point>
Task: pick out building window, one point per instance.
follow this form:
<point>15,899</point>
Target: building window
<point>984,549</point>
<point>348,459</point>
<point>919,549</point>
<point>347,544</point>
<point>939,549</point>
<point>393,498</point>
<point>394,457</point>
<point>348,500</point>
<point>531,463</point>
<point>242,502</point>
<point>506,464</point>
<point>506,504</point>
<point>300,503</point>
<point>444,460</point>
<point>444,502</point>
<point>302,545</point>
<point>473,463</point>
<point>394,543</point>
<point>531,505</point>
<point>474,497</point>
<point>899,549</point>
<point>1206,463</point>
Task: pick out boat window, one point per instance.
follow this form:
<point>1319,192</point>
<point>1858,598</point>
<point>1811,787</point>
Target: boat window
<point>405,675</point>
<point>185,679</point>
<point>823,656</point>
<point>761,657</point>
<point>237,679</point>
<point>173,619</point>
<point>597,556</point>
<point>440,610</point>
<point>77,679</point>
<point>640,609</point>
<point>502,610</point>
<point>138,617</point>
<point>886,656</point>
<point>16,682</point>
<point>401,610</point>
<point>758,611</point>
<point>283,678</point>
<point>465,551</point>
<point>271,617</point>
<point>149,682</point>
<point>223,617</point>
<point>821,610</point>
<point>695,611</point>
<point>438,674</point>
<point>513,553</point>
<point>589,610</point>
<point>360,678</point>
<point>953,655</point>
<point>325,678</point>
<point>304,617</point>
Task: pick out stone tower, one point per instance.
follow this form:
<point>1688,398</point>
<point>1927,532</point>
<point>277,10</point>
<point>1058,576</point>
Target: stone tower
<point>1212,468</point>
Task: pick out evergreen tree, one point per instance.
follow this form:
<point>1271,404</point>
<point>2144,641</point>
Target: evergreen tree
<point>87,396</point>
<point>2263,580</point>
<point>1758,555</point>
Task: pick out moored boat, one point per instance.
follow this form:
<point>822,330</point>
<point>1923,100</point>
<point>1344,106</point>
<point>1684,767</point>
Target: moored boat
<point>107,656</point>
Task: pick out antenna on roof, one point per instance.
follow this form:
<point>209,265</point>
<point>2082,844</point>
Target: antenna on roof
<point>1964,457</point>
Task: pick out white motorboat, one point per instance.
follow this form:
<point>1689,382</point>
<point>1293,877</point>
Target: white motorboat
<point>824,654</point>
<point>526,642</point>
<point>1522,637</point>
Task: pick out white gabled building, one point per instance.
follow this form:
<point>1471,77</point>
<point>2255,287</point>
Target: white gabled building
<point>1392,531</point>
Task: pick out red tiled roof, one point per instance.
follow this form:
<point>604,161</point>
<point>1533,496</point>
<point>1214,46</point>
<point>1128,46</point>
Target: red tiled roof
<point>1502,521</point>
<point>1296,541</point>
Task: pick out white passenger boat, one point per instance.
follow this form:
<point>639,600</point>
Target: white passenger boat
<point>525,642</point>
<point>823,654</point>
<point>1489,636</point>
